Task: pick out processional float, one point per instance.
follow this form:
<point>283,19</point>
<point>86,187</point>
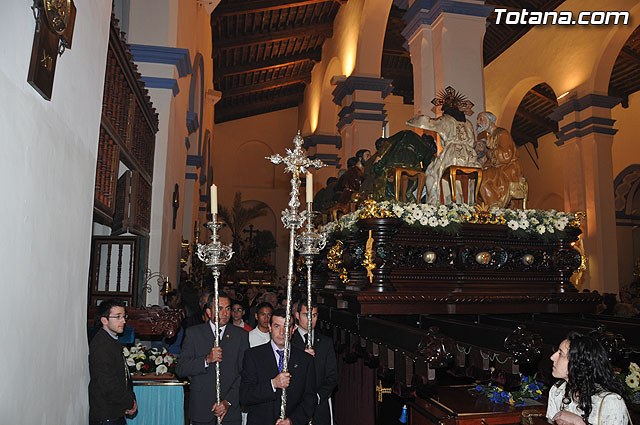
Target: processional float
<point>309,243</point>
<point>215,255</point>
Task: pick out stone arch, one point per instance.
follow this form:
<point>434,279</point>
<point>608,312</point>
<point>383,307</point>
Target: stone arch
<point>328,113</point>
<point>252,167</point>
<point>511,102</point>
<point>373,25</point>
<point>196,106</point>
<point>533,122</point>
<point>609,51</point>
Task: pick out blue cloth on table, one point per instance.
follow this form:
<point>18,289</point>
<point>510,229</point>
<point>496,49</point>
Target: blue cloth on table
<point>159,405</point>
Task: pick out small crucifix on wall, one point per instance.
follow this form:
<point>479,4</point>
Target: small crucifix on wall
<point>55,20</point>
<point>175,203</point>
<point>251,232</point>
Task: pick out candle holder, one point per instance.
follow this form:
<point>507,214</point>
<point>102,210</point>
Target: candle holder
<point>309,244</point>
<point>296,163</point>
<point>215,255</point>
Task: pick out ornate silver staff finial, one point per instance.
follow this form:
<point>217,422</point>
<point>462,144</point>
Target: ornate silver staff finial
<point>296,163</point>
<point>309,244</point>
<point>215,255</point>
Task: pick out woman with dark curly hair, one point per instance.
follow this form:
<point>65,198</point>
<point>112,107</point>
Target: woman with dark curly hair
<point>588,392</point>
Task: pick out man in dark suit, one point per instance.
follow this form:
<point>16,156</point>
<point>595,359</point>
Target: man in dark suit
<point>324,359</point>
<point>111,394</point>
<point>198,360</point>
<point>263,380</point>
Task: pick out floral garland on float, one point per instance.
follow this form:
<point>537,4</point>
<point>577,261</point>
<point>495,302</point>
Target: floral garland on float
<point>529,389</point>
<point>142,360</point>
<point>631,381</point>
<point>529,223</point>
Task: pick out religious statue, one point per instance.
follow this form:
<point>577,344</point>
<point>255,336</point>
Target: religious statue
<point>404,149</point>
<point>350,182</point>
<point>502,174</point>
<point>456,136</point>
<point>323,200</point>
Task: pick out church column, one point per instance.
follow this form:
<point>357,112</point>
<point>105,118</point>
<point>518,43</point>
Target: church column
<point>586,137</point>
<point>445,42</point>
<point>362,115</point>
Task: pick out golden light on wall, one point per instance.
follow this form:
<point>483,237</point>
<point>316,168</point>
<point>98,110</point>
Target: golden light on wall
<point>349,52</point>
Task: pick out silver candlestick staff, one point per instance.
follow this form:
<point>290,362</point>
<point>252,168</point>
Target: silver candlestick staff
<point>215,255</point>
<point>309,244</point>
<point>296,162</point>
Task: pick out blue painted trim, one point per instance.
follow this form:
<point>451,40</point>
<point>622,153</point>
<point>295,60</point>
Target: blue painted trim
<point>322,139</point>
<point>576,105</point>
<point>354,83</point>
<point>162,54</point>
<point>192,122</point>
<point>361,106</point>
<point>187,143</point>
<point>425,12</point>
<point>349,118</point>
<point>581,133</point>
<point>162,83</point>
<point>191,176</point>
<point>195,160</point>
<point>589,121</point>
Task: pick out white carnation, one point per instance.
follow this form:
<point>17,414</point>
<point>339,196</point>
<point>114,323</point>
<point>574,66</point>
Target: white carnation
<point>161,369</point>
<point>540,229</point>
<point>433,222</point>
<point>513,225</point>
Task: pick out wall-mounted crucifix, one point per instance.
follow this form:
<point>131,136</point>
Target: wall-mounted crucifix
<point>175,203</point>
<point>55,20</point>
<point>251,232</point>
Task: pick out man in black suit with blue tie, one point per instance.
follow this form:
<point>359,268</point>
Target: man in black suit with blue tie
<point>324,359</point>
<point>198,359</point>
<point>263,380</point>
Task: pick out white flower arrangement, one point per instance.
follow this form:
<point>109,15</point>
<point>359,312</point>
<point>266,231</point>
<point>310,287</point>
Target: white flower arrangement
<point>448,218</point>
<point>141,359</point>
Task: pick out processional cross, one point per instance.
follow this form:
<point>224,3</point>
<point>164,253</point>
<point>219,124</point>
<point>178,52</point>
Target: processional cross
<point>296,162</point>
<point>381,390</point>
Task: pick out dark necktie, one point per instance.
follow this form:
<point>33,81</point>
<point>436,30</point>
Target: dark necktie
<point>306,339</point>
<point>280,360</point>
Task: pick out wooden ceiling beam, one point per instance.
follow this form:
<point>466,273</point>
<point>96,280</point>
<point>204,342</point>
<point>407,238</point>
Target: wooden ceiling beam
<point>543,96</point>
<point>323,30</point>
<point>631,54</point>
<point>277,62</point>
<point>394,52</point>
<point>538,120</point>
<point>258,6</point>
<point>223,111</point>
<point>268,85</point>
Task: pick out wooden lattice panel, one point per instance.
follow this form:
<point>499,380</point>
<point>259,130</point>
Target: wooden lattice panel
<point>106,173</point>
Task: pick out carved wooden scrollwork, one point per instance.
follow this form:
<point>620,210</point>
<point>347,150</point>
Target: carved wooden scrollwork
<point>437,348</point>
<point>525,346</point>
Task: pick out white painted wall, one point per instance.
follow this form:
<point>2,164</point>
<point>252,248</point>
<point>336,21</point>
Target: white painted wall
<point>47,172</point>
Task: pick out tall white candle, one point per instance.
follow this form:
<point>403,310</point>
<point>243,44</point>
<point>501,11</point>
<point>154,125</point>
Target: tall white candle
<point>309,187</point>
<point>214,200</point>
